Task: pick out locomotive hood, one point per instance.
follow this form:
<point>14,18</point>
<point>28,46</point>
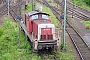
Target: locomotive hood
<point>46,27</point>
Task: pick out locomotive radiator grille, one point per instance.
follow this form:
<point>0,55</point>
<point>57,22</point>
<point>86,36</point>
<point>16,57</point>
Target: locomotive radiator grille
<point>46,37</point>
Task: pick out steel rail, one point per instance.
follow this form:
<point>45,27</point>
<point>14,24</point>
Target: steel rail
<point>76,46</point>
<point>78,8</point>
<point>74,11</point>
<point>4,9</point>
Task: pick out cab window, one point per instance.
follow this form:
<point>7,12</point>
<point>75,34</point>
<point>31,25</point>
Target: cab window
<point>45,17</point>
<point>34,17</point>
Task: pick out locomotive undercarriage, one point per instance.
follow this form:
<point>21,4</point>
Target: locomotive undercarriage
<point>46,44</point>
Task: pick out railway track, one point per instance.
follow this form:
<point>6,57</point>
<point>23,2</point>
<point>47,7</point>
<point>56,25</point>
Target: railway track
<point>75,11</point>
<point>47,55</point>
<point>87,12</point>
<point>14,10</point>
<point>2,1</point>
<point>79,43</point>
<point>81,46</point>
<point>3,9</point>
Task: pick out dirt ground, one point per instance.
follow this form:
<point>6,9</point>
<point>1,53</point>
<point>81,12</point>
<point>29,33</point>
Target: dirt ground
<point>85,33</point>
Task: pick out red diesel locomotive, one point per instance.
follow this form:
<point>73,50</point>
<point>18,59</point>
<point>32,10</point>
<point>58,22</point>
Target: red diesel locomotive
<point>40,30</point>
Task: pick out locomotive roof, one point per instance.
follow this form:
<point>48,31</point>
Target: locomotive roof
<point>36,12</point>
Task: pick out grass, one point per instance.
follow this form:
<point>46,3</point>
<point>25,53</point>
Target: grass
<point>87,24</point>
<point>81,3</point>
<point>9,43</point>
<point>65,55</point>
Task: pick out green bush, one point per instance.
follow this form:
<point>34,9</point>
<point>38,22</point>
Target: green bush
<point>29,7</point>
<point>82,3</point>
<point>87,2</point>
<point>1,31</point>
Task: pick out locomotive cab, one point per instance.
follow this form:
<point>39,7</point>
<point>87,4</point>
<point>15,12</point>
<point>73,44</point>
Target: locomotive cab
<point>35,15</point>
<point>41,30</point>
